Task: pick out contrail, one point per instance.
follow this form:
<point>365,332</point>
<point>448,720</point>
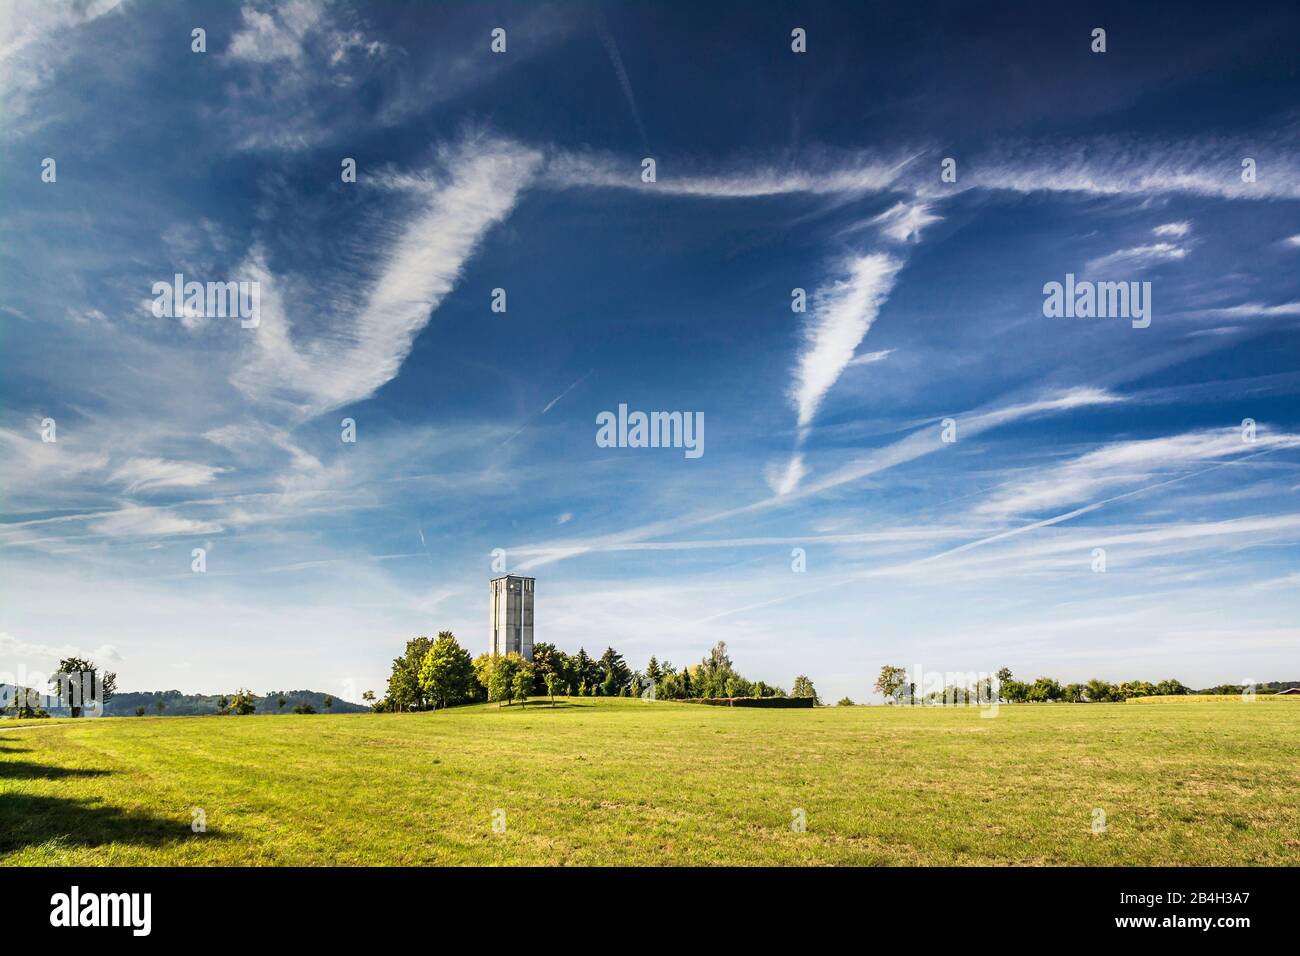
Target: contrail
<point>549,405</point>
<point>552,403</point>
<point>612,49</point>
<point>970,545</point>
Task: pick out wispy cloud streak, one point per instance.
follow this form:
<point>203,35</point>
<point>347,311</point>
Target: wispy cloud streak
<point>357,356</point>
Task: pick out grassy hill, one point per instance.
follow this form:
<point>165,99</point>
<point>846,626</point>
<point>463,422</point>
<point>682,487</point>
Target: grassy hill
<point>604,781</point>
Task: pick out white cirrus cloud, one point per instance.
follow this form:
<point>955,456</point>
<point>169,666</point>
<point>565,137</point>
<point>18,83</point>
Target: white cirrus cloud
<point>916,445</point>
<point>1124,464</point>
<point>34,46</point>
<point>841,315</point>
<point>1137,258</point>
<point>904,221</point>
<point>1112,166</point>
<point>785,479</point>
<point>275,35</point>
<point>871,358</point>
<point>137,521</point>
<point>291,31</point>
<point>857,176</point>
<point>356,354</point>
<point>294,72</point>
<point>1175,229</point>
<point>1247,310</point>
<point>152,474</point>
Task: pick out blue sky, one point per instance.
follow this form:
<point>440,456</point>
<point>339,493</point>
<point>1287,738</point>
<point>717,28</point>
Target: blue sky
<point>775,170</point>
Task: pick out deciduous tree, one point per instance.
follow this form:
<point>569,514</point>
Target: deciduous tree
<point>79,681</point>
<point>522,683</point>
<point>243,702</point>
<point>404,683</point>
<point>447,673</point>
<point>889,682</point>
<point>501,678</point>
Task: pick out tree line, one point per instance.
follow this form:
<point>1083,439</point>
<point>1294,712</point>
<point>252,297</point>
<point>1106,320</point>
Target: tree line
<point>438,672</point>
<point>1002,687</point>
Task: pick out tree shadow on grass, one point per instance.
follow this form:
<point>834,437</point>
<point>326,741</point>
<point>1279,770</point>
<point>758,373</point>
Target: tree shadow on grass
<point>27,820</point>
<point>26,770</point>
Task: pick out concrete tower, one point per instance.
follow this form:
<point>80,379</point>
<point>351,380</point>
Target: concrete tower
<point>510,617</point>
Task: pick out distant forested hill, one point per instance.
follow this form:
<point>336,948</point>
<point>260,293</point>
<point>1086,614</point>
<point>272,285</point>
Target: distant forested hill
<point>176,704</point>
<point>1268,687</point>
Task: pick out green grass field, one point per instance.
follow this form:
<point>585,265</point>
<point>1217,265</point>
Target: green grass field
<point>1264,698</point>
<point>628,782</point>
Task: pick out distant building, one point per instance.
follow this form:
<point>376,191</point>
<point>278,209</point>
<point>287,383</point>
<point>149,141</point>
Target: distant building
<point>510,617</point>
<point>1289,690</point>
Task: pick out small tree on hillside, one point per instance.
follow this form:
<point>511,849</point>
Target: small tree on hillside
<point>890,681</point>
<point>523,681</point>
<point>547,659</point>
<point>447,674</point>
<point>328,701</point>
<point>483,676</point>
<point>803,687</point>
<point>404,683</point>
<point>1004,676</point>
<point>713,673</point>
<point>160,705</point>
<point>580,673</point>
<point>139,711</point>
<point>614,673</point>
<point>501,679</point>
<point>1045,689</point>
<point>244,702</point>
<point>1014,691</point>
<point>78,683</point>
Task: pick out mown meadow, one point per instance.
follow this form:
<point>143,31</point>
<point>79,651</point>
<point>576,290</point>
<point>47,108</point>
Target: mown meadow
<point>629,782</point>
